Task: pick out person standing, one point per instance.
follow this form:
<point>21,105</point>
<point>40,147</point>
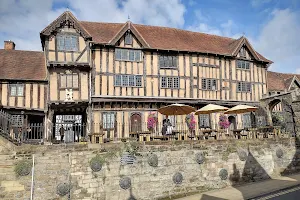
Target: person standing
<point>62,133</point>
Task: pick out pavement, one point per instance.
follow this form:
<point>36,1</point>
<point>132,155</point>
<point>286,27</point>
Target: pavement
<point>252,190</point>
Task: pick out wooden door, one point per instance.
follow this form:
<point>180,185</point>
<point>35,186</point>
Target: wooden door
<point>136,122</point>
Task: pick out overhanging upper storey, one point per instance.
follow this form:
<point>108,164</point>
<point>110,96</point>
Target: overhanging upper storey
<point>66,42</point>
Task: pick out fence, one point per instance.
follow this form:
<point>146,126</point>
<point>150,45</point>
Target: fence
<point>69,132</point>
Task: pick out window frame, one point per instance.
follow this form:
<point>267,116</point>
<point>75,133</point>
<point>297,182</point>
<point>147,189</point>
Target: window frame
<point>112,123</point>
<point>165,57</point>
<point>247,120</point>
<point>166,80</point>
<point>129,76</point>
<point>207,117</point>
<point>17,86</point>
<point>65,75</point>
<point>128,34</point>
<point>208,82</point>
<point>244,87</point>
<point>120,52</point>
<point>64,36</point>
<point>243,65</point>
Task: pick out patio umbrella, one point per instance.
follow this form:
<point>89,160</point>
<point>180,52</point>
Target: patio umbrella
<point>176,109</point>
<point>239,109</point>
<point>210,108</point>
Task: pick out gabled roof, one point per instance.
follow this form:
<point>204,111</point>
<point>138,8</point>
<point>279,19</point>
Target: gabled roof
<point>22,65</point>
<point>164,38</point>
<point>280,81</point>
<point>125,28</point>
<point>243,41</point>
<point>66,18</point>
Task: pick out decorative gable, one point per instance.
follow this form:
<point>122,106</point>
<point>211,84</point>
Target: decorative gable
<point>129,34</point>
<point>65,20</point>
<point>245,50</point>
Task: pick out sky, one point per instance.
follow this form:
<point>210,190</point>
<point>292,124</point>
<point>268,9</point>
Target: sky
<point>271,26</point>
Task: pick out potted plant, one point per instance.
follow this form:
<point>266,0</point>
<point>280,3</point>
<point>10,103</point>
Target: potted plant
<point>224,123</point>
<point>191,123</point>
<point>152,121</point>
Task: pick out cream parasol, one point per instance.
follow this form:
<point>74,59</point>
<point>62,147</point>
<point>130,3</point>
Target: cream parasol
<point>239,109</point>
<point>210,108</point>
<point>176,109</point>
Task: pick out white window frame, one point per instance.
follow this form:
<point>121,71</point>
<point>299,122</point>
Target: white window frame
<point>204,121</point>
<point>108,120</point>
<point>18,90</point>
<point>123,80</point>
<point>169,82</point>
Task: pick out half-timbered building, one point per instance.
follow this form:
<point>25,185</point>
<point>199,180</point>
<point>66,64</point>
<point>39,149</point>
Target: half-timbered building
<point>112,76</point>
<point>23,85</point>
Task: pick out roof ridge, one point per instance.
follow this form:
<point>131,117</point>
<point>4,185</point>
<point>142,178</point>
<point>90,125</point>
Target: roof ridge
<point>21,50</point>
<point>165,27</point>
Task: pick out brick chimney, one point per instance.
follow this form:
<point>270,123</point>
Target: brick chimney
<point>9,45</point>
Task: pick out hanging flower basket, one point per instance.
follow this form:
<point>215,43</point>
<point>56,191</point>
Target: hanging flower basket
<point>190,121</point>
<point>223,122</point>
<point>152,121</point>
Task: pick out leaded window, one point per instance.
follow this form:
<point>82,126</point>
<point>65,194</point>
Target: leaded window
<point>244,87</point>
<point>128,80</point>
<point>128,55</point>
<point>247,120</point>
<point>209,84</point>
<point>167,61</point>
<point>108,120</point>
<point>170,82</point>
<point>128,38</point>
<point>243,52</point>
<point>69,80</point>
<point>17,120</point>
<point>67,42</point>
<point>243,64</point>
<point>17,90</point>
<point>204,121</point>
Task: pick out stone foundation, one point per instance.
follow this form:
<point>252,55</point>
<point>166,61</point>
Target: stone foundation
<point>176,173</point>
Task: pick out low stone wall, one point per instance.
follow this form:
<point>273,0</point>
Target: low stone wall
<point>163,170</point>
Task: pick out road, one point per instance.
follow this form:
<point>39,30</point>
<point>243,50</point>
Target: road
<point>286,194</point>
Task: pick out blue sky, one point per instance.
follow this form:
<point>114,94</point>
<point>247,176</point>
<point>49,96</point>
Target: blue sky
<point>272,26</point>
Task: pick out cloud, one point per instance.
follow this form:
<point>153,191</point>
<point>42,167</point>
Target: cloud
<point>279,40</point>
<point>22,21</point>
<point>223,29</point>
<point>257,3</point>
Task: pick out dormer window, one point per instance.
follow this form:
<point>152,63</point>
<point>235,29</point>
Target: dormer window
<point>67,42</point>
<point>128,39</point>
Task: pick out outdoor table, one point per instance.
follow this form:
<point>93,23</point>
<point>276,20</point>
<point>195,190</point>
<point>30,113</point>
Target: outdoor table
<point>180,135</point>
<point>134,135</point>
<point>208,133</point>
<point>237,133</point>
<point>144,135</point>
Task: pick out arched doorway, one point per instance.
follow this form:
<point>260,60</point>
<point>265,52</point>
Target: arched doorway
<point>232,121</point>
<point>135,122</point>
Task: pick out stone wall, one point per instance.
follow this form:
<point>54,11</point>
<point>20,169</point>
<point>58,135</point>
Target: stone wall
<point>182,168</point>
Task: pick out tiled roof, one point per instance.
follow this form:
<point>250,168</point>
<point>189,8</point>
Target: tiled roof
<point>280,81</point>
<point>22,65</point>
<point>165,38</point>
